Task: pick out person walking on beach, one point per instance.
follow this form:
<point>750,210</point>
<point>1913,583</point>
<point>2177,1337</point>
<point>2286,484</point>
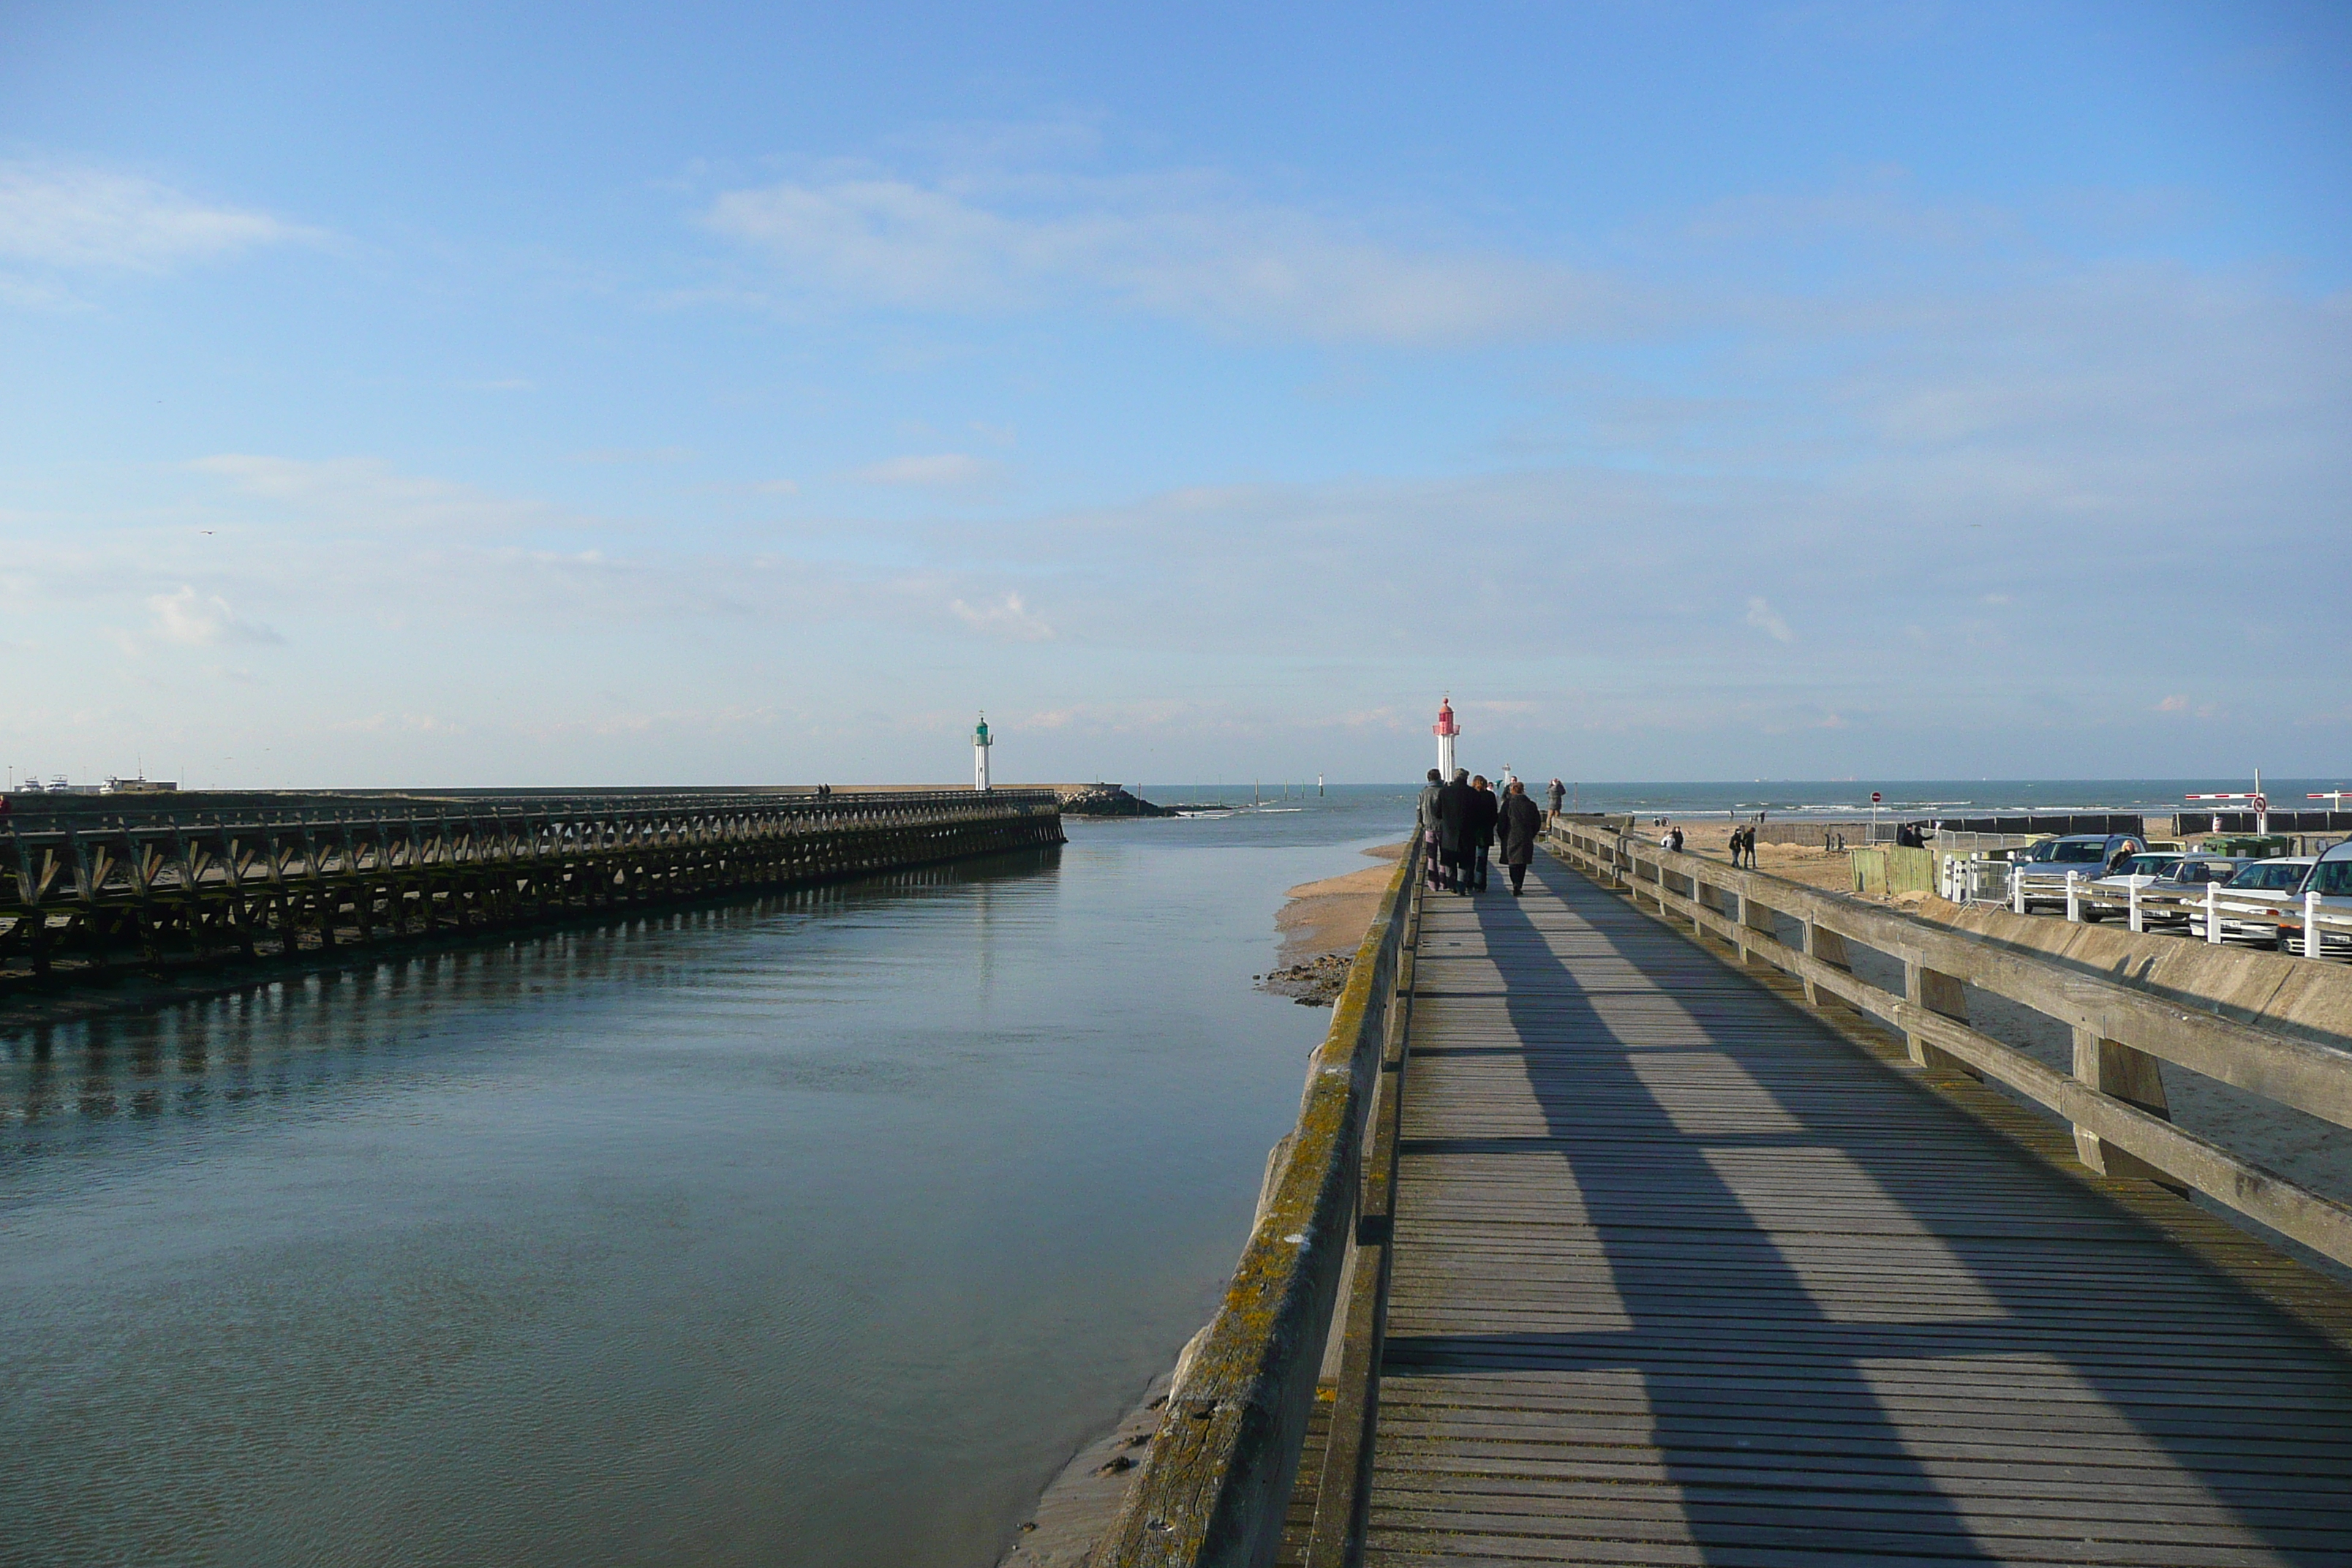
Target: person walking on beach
<point>1559,798</point>
<point>1520,824</point>
<point>1457,829</point>
<point>1425,826</point>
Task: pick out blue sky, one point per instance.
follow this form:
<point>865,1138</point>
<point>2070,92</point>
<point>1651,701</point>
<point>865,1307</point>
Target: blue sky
<point>529,394</point>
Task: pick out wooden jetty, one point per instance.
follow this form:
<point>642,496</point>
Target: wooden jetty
<point>92,885</point>
<point>1646,1262</point>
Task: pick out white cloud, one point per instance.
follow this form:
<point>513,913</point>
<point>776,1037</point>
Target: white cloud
<point>61,215</point>
<point>1766,619</point>
<point>938,470</point>
<point>1173,244</point>
<point>191,620</point>
<point>1010,618</point>
<point>365,494</point>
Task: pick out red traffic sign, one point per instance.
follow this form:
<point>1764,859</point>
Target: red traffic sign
<point>2262,804</point>
<point>1875,797</point>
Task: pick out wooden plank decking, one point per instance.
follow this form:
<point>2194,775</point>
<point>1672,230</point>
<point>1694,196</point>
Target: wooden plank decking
<point>1682,1276</point>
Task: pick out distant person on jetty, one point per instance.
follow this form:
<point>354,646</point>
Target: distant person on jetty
<point>1425,819</point>
<point>1489,808</point>
<point>1457,830</point>
<point>1559,798</point>
<point>1520,824</point>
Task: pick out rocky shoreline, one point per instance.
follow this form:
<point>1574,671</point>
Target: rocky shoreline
<point>1313,984</point>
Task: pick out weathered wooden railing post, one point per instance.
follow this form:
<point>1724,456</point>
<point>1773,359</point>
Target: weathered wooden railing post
<point>1754,917</point>
<point>1825,947</point>
<point>2114,1068</point>
<point>1940,994</point>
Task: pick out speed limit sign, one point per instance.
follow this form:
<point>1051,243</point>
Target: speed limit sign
<point>2262,804</point>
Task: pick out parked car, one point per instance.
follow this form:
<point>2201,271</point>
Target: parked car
<point>2186,879</point>
<point>2329,878</point>
<point>2042,871</point>
<point>2138,871</point>
<point>2273,883</point>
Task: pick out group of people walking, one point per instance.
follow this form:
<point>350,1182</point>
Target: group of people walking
<point>1465,825</point>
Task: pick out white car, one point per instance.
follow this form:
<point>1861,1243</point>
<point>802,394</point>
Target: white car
<point>2186,880</point>
<point>2331,878</point>
<point>2136,872</point>
<point>2271,883</point>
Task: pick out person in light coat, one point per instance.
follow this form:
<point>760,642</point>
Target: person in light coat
<point>1424,825</point>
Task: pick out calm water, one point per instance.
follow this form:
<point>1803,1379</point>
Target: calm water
<point>816,1231</point>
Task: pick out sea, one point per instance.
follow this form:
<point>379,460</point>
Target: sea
<point>814,1229</point>
<point>1851,797</point>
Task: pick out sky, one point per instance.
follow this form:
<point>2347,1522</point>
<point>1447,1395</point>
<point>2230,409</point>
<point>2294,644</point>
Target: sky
<point>514,395</point>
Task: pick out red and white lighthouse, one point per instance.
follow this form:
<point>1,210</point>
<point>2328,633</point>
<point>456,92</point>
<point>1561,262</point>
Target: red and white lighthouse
<point>1446,730</point>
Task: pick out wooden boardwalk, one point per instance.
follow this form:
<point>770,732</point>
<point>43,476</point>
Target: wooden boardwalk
<point>1681,1276</point>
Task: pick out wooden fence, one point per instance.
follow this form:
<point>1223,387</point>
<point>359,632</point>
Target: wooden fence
<point>1217,1482</point>
<point>2114,1098</point>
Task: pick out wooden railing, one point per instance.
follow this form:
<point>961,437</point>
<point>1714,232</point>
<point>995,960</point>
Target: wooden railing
<point>1217,1481</point>
<point>2114,1098</point>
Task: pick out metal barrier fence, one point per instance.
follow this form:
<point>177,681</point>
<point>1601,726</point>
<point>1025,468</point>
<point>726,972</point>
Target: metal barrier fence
<point>2305,925</point>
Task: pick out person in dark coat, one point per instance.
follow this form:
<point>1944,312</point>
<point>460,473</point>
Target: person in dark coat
<point>1489,808</point>
<point>1457,829</point>
<point>1519,825</point>
<point>1559,798</point>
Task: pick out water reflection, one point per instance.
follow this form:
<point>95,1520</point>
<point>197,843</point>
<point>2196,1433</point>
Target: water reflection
<point>815,1230</point>
<point>324,1034</point>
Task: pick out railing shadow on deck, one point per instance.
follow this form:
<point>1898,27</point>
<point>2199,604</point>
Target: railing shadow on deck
<point>2114,1097</point>
<point>1695,1313</point>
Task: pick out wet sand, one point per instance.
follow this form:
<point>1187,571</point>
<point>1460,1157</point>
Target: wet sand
<point>1322,926</point>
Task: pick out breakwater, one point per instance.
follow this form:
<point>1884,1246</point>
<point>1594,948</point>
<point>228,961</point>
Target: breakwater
<point>95,886</point>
